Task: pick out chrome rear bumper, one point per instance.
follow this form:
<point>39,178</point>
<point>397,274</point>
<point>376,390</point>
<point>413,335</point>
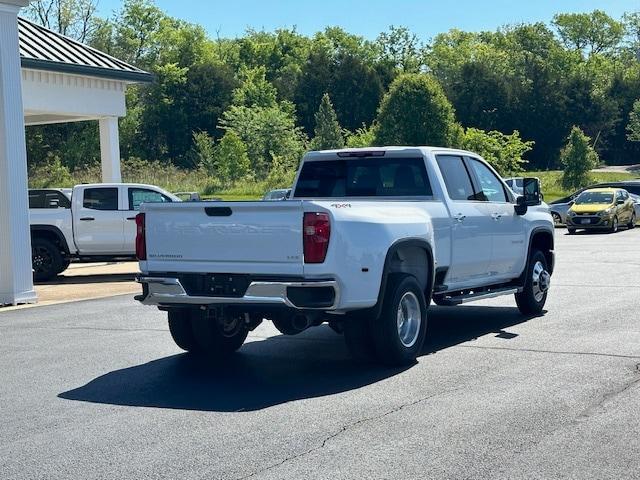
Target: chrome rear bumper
<point>169,291</point>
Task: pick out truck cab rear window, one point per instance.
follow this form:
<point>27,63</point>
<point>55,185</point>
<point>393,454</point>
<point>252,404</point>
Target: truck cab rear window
<point>367,177</point>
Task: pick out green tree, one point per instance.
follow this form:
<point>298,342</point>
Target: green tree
<point>415,111</point>
<point>268,133</point>
<point>230,158</point>
<point>255,90</point>
<point>633,127</point>
<point>328,133</point>
<point>504,152</point>
<point>596,31</point>
<point>356,90</point>
<point>578,158</point>
<point>202,152</point>
<point>362,137</point>
<point>401,48</point>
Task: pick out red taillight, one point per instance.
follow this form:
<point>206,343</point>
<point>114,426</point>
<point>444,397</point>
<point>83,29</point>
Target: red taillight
<point>316,230</point>
<point>141,247</point>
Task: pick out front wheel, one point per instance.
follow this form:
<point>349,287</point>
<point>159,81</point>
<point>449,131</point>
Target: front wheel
<point>536,286</point>
<point>46,259</point>
<point>614,225</point>
<point>557,219</point>
<point>632,222</point>
<point>399,332</point>
<point>572,231</point>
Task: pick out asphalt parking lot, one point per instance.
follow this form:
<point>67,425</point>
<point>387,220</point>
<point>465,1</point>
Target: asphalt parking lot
<point>97,389</point>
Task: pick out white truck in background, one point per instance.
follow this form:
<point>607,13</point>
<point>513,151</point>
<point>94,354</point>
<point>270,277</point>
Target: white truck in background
<point>368,238</point>
<point>88,222</point>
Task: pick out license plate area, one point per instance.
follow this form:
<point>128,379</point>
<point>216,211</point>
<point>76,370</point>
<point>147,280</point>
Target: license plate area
<point>215,285</point>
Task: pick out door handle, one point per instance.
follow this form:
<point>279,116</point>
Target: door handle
<point>459,217</point>
<point>131,218</point>
<point>497,216</point>
<point>87,219</point>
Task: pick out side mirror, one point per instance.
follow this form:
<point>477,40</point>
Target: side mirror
<point>521,205</point>
<point>531,191</point>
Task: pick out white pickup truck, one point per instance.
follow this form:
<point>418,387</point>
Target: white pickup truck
<point>367,240</point>
<point>88,222</point>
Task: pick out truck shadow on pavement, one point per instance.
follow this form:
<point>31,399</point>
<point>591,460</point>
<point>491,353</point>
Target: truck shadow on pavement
<point>278,369</point>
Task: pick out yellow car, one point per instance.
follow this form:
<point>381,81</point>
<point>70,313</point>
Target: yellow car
<point>601,208</point>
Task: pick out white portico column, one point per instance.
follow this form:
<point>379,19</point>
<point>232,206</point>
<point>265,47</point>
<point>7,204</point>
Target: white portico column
<point>110,149</point>
<point>16,278</point>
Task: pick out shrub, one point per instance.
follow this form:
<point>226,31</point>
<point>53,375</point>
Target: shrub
<point>578,158</point>
<point>415,111</point>
<point>503,152</point>
<point>52,174</point>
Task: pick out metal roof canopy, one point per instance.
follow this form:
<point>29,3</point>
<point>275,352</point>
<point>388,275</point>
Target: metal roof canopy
<point>43,49</point>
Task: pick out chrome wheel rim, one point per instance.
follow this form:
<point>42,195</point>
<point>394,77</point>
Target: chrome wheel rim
<point>615,224</point>
<point>541,281</point>
<point>409,319</point>
<point>556,219</point>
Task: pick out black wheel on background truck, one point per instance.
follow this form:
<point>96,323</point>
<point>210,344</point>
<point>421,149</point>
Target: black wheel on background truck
<point>218,337</point>
<point>65,264</point>
<point>46,259</point>
<point>182,330</point>
<point>536,286</point>
<point>571,231</point>
<point>399,332</point>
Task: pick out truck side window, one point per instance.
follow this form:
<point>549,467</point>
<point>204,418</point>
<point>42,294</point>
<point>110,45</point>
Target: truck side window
<point>491,187</point>
<point>100,199</point>
<point>138,196</point>
<point>456,177</point>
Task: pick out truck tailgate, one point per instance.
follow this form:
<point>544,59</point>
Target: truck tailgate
<point>225,237</point>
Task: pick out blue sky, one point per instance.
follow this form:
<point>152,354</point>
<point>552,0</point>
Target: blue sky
<point>368,18</point>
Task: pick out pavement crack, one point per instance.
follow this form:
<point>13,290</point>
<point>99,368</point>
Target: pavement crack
<point>606,397</point>
<point>344,429</point>
<point>557,352</point>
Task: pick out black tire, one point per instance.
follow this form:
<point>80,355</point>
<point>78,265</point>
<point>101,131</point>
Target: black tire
<point>357,336</point>
<point>65,264</point>
<point>46,259</point>
<point>529,301</point>
<point>632,222</point>
<point>181,329</point>
<point>218,338</point>
<point>614,225</point>
<point>402,291</point>
<point>572,231</point>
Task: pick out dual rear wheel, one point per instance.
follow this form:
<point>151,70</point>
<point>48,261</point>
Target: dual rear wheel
<point>396,337</point>
<point>195,331</point>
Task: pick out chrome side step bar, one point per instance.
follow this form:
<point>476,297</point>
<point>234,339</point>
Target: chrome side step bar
<point>481,295</point>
